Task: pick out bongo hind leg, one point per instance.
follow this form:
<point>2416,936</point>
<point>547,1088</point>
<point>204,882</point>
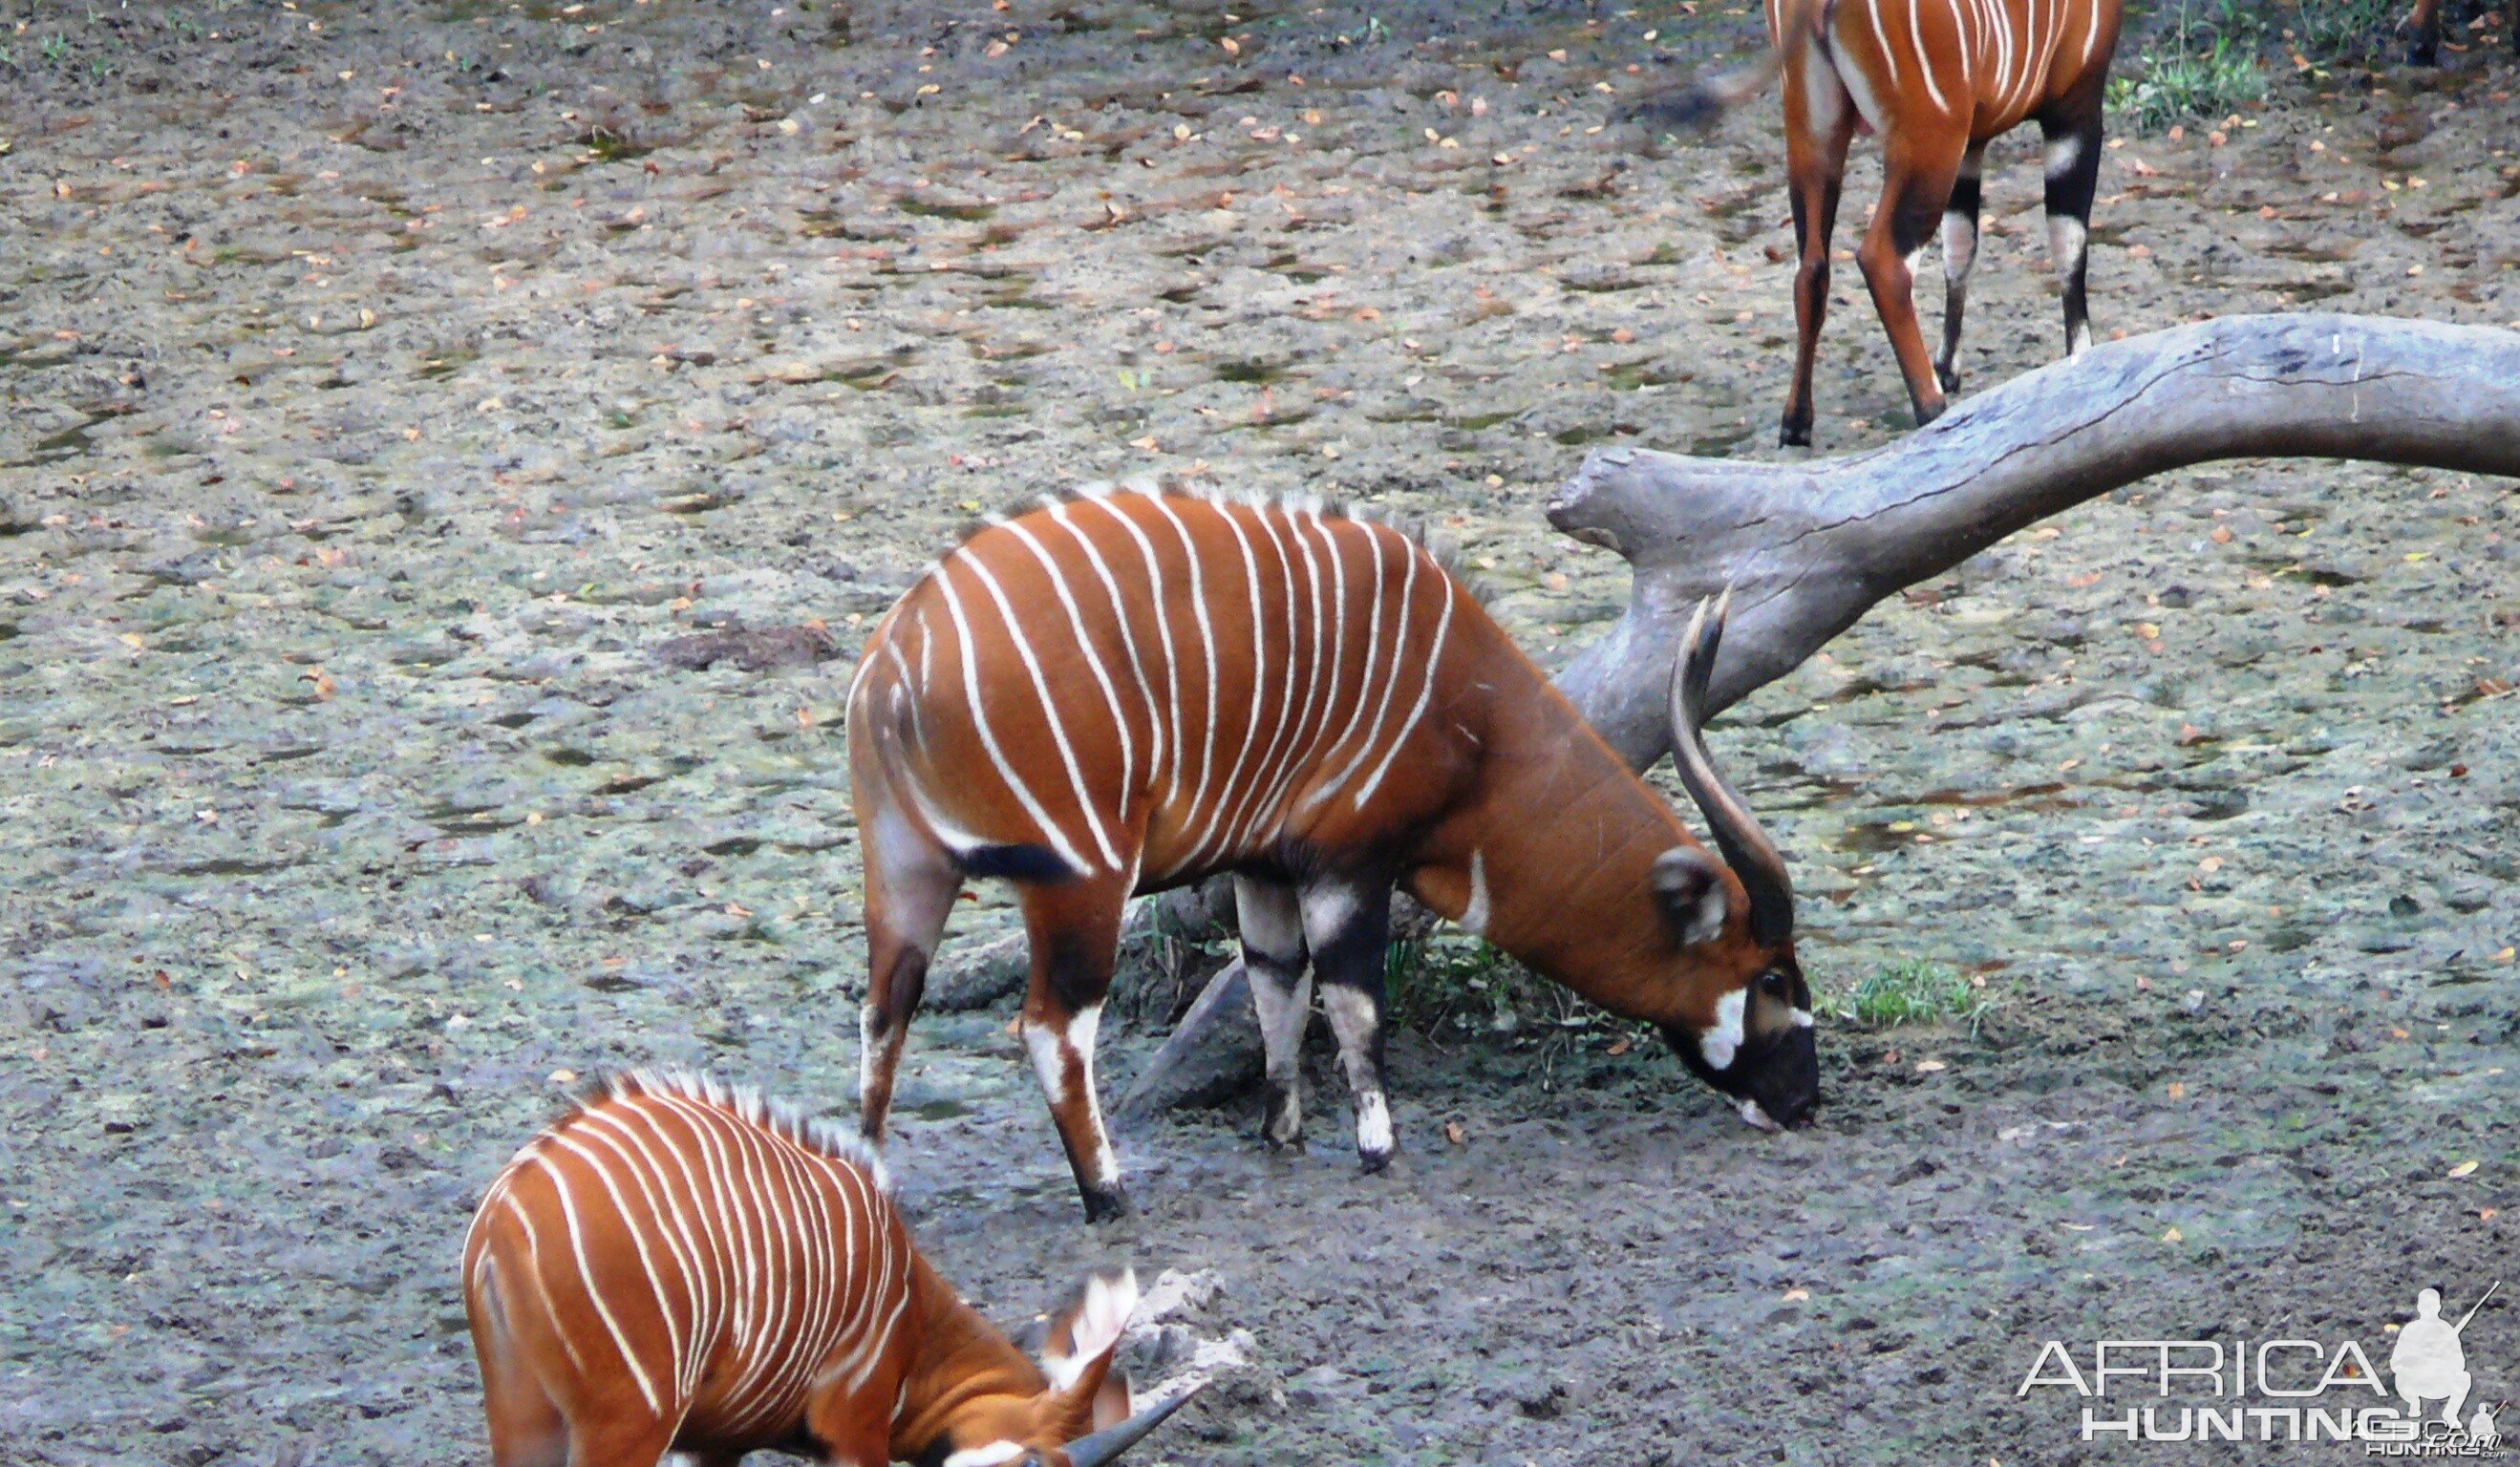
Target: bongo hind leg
<point>911,886</point>
<point>1074,929</point>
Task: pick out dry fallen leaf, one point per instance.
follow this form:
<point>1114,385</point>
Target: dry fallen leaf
<point>1930,1067</point>
<point>1454,1133</point>
<point>2174,1236</point>
<point>2177,1091</point>
<point>1620,1047</point>
<point>2463,1168</point>
<point>1796,1296</point>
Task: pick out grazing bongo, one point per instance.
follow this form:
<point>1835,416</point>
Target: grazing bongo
<point>1938,79</point>
<point>2426,23</point>
<point>1138,687</point>
<point>677,1266</point>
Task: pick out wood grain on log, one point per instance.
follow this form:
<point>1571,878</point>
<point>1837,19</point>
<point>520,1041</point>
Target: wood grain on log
<point>1810,547</point>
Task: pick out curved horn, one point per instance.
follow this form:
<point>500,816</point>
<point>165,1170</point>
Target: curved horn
<point>1746,848</point>
<point>1105,1445</point>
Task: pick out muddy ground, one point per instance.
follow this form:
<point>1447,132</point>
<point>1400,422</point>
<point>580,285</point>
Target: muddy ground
<point>387,386</point>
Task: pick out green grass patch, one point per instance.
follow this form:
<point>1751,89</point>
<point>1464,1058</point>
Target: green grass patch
<point>2345,30</point>
<point>1909,991</point>
<point>2200,64</point>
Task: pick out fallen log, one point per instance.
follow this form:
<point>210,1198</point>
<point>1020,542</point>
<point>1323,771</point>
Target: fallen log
<point>1809,548</point>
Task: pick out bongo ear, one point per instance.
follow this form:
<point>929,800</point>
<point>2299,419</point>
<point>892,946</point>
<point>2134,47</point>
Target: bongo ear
<point>1084,1335</point>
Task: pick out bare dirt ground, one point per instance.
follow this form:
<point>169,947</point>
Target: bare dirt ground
<point>387,386</point>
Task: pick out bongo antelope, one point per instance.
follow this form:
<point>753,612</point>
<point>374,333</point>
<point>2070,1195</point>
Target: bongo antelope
<point>1139,686</point>
<point>2426,23</point>
<point>675,1265</point>
<point>1938,79</point>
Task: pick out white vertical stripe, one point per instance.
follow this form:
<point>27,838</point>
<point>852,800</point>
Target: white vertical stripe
<point>691,1249</point>
<point>635,1220</point>
<point>594,1294</point>
<point>1408,615</point>
<point>542,1281</point>
<point>1434,657</point>
<point>1023,794</point>
<point>1882,39</point>
<point>1306,750</point>
<point>1128,637</point>
<point>1925,63</point>
<point>1092,659</point>
<point>1288,725</point>
<point>1207,646</point>
<point>1048,706</point>
<point>1259,670</point>
<point>1164,633</point>
<point>1373,546</point>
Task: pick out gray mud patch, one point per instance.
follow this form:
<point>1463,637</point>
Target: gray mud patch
<point>449,455</point>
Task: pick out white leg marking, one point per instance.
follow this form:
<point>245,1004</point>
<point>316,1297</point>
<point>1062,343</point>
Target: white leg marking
<point>1720,1044</point>
<point>1752,1112</point>
<point>1474,917</point>
<point>1374,1124</point>
<point>1047,1062</point>
<point>2063,154</point>
<point>1960,247</point>
<point>1327,910</point>
<point>991,1455</point>
<point>1082,1032</point>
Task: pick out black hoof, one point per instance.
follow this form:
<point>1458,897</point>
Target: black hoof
<point>1373,1162</point>
<point>1794,436</point>
<point>2422,55</point>
<point>1105,1204</point>
<point>1950,378</point>
<point>1293,1142</point>
<point>1927,411</point>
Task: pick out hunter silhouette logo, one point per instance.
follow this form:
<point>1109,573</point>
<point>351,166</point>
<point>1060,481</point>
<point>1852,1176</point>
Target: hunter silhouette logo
<point>2428,1361</point>
<point>2288,1390</point>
